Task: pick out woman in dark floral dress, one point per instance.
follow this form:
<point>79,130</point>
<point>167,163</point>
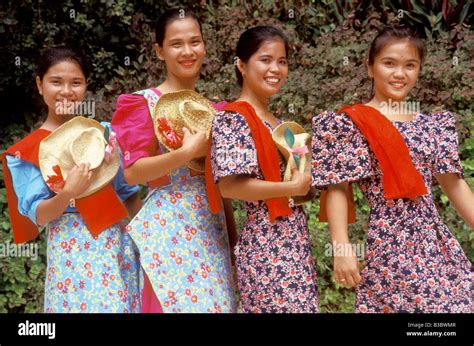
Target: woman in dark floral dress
<point>274,264</point>
<point>413,263</point>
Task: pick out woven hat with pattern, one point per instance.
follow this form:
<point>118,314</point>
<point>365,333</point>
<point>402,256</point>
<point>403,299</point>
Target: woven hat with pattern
<point>184,108</point>
<point>80,140</point>
<point>293,143</point>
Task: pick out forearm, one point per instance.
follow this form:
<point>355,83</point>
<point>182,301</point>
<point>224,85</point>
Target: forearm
<point>337,213</point>
<point>230,222</point>
<point>52,208</point>
<point>133,205</point>
<point>253,189</point>
<point>460,195</point>
<point>149,168</point>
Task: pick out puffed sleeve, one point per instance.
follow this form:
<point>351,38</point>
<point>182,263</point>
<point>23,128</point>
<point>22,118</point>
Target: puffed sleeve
<point>340,153</point>
<point>124,191</point>
<point>232,147</point>
<point>29,186</point>
<point>134,128</point>
<point>447,156</point>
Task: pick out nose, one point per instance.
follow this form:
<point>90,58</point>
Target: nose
<point>187,50</point>
<point>66,89</point>
<point>274,67</point>
<point>399,72</point>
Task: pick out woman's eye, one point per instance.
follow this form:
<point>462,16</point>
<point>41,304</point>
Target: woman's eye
<point>389,63</point>
<point>284,62</point>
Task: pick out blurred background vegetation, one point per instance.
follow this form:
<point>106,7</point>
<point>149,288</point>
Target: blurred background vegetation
<point>329,42</point>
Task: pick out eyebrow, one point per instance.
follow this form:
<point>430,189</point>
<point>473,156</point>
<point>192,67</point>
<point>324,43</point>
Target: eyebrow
<point>392,58</point>
<point>270,56</point>
<point>59,77</point>
<point>174,40</point>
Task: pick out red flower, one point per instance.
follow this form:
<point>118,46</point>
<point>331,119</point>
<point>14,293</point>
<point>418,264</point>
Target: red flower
<point>56,182</point>
<point>171,138</point>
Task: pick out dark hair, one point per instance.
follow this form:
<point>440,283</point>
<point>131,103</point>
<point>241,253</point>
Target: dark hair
<point>251,40</point>
<point>169,17</point>
<point>55,55</point>
<point>395,33</point>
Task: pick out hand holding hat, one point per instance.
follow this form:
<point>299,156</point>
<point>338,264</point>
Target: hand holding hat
<point>292,141</point>
<point>178,110</point>
<point>75,143</point>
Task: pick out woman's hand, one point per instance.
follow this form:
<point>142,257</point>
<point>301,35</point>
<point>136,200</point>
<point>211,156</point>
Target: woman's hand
<point>78,180</point>
<point>195,144</point>
<point>301,182</point>
<point>346,267</point>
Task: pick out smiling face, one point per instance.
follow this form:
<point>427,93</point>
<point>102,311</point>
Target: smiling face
<point>62,84</point>
<point>266,70</point>
<point>395,71</point>
<point>183,48</point>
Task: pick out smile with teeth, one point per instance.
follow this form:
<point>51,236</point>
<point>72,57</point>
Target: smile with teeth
<point>397,85</point>
<point>272,80</point>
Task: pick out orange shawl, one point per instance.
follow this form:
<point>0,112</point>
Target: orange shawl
<point>268,160</point>
<point>90,207</point>
<point>400,178</point>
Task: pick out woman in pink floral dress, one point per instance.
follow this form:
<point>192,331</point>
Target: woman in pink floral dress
<point>413,263</point>
<point>184,248</point>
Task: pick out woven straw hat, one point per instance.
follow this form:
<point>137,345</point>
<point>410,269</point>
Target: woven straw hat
<point>294,144</point>
<point>80,140</point>
<point>184,108</point>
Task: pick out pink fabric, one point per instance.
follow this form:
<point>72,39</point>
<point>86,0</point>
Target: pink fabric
<point>134,128</point>
<point>221,105</point>
<point>150,303</point>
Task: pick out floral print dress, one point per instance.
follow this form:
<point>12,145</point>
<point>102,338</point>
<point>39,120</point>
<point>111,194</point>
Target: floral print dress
<point>184,248</point>
<point>275,268</point>
<point>85,273</point>
<point>413,263</point>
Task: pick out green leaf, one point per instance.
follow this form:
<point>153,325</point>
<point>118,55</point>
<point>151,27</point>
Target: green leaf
<point>289,137</point>
<point>107,133</point>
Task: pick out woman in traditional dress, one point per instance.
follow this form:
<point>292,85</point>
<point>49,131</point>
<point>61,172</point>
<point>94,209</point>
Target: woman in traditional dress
<point>413,263</point>
<point>275,268</point>
<point>184,249</point>
<point>92,264</point>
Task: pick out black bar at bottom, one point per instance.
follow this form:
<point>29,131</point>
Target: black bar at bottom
<point>193,329</point>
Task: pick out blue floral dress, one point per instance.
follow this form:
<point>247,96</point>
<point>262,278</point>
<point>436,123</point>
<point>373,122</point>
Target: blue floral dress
<point>184,248</point>
<point>85,273</point>
<point>413,263</point>
<point>275,267</point>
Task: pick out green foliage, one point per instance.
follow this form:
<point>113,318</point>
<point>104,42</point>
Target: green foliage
<point>329,41</point>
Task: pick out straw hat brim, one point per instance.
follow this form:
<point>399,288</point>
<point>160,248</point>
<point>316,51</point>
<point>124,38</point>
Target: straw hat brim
<point>301,138</point>
<point>53,148</point>
<point>168,107</point>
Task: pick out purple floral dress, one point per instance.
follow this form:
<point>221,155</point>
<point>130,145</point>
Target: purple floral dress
<point>275,268</point>
<point>412,261</point>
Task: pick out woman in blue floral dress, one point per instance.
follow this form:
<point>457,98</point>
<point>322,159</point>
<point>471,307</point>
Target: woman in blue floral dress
<point>86,272</point>
<point>184,248</point>
<point>413,263</point>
